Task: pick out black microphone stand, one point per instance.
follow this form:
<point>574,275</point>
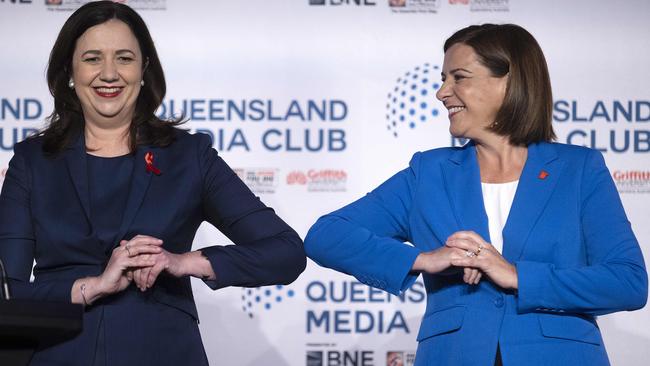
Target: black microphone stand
<point>4,281</point>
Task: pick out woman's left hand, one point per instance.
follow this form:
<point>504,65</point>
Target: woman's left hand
<point>483,256</point>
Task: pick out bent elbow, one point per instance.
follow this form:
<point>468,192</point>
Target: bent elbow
<point>640,296</point>
<point>297,266</point>
<point>295,261</point>
<point>311,244</point>
<point>638,300</point>
<point>317,238</point>
<point>637,294</point>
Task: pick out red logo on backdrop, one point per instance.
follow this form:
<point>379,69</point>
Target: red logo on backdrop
<point>631,175</point>
<point>632,181</point>
<point>331,180</point>
<point>463,2</point>
<point>297,177</point>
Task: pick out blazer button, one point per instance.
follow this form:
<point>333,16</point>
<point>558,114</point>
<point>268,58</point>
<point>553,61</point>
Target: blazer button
<point>498,302</point>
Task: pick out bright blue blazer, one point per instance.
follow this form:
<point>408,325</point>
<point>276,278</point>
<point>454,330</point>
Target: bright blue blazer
<point>567,234</point>
<point>45,215</point>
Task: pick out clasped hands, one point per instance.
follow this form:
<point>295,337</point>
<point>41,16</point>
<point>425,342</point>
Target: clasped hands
<point>477,258</point>
<point>141,260</point>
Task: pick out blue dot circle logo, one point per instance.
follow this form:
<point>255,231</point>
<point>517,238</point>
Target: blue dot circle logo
<point>412,101</point>
<point>263,298</point>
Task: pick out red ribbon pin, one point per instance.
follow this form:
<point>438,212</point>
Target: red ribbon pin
<point>543,174</point>
<point>148,160</point>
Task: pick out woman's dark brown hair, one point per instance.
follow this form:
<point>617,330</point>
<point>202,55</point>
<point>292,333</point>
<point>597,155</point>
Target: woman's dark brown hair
<point>66,121</point>
<point>508,49</point>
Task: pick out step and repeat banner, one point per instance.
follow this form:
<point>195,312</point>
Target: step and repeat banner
<point>315,102</point>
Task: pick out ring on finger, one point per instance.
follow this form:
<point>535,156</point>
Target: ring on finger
<point>469,253</point>
<point>480,247</point>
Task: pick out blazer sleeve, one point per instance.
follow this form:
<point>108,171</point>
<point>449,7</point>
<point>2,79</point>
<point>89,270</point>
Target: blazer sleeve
<point>266,250</point>
<point>614,278</point>
<point>366,238</point>
<point>17,242</point>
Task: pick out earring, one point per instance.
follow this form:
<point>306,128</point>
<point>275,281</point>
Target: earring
<point>142,82</point>
<point>71,83</point>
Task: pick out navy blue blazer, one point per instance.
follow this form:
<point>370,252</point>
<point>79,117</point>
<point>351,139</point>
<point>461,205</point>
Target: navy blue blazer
<point>567,234</point>
<point>45,216</point>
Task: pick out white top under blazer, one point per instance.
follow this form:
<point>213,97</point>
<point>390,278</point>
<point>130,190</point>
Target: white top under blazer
<point>497,199</point>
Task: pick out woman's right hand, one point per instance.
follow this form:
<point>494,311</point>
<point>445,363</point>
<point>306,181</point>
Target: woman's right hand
<point>116,276</point>
<point>439,262</point>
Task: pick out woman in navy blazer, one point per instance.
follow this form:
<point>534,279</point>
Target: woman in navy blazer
<point>525,291</point>
<point>108,198</point>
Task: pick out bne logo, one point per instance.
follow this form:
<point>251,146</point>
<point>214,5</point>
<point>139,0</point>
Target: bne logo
<point>340,358</point>
<point>343,2</point>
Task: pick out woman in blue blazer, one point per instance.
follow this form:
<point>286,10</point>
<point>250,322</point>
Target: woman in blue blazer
<point>521,242</point>
<point>108,198</point>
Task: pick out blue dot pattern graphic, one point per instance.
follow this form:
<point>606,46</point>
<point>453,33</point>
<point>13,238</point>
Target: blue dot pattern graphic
<point>264,298</point>
<point>410,100</point>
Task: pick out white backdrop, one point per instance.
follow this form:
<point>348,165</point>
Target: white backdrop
<point>304,69</point>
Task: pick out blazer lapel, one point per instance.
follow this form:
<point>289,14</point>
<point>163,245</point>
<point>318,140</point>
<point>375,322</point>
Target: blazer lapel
<point>140,180</point>
<point>77,167</point>
<point>536,184</point>
<point>463,186</point>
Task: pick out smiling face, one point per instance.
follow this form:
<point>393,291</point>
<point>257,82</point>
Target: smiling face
<point>470,93</point>
<point>107,70</point>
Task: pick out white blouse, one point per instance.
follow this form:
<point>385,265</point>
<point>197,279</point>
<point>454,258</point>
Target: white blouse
<point>497,198</point>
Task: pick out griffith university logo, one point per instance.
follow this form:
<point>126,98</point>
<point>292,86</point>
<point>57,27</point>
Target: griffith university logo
<point>257,299</point>
<point>413,99</point>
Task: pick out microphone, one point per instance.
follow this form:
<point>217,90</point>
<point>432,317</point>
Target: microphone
<point>4,282</point>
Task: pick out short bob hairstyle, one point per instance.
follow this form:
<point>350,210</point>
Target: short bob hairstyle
<point>66,121</point>
<point>507,49</point>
